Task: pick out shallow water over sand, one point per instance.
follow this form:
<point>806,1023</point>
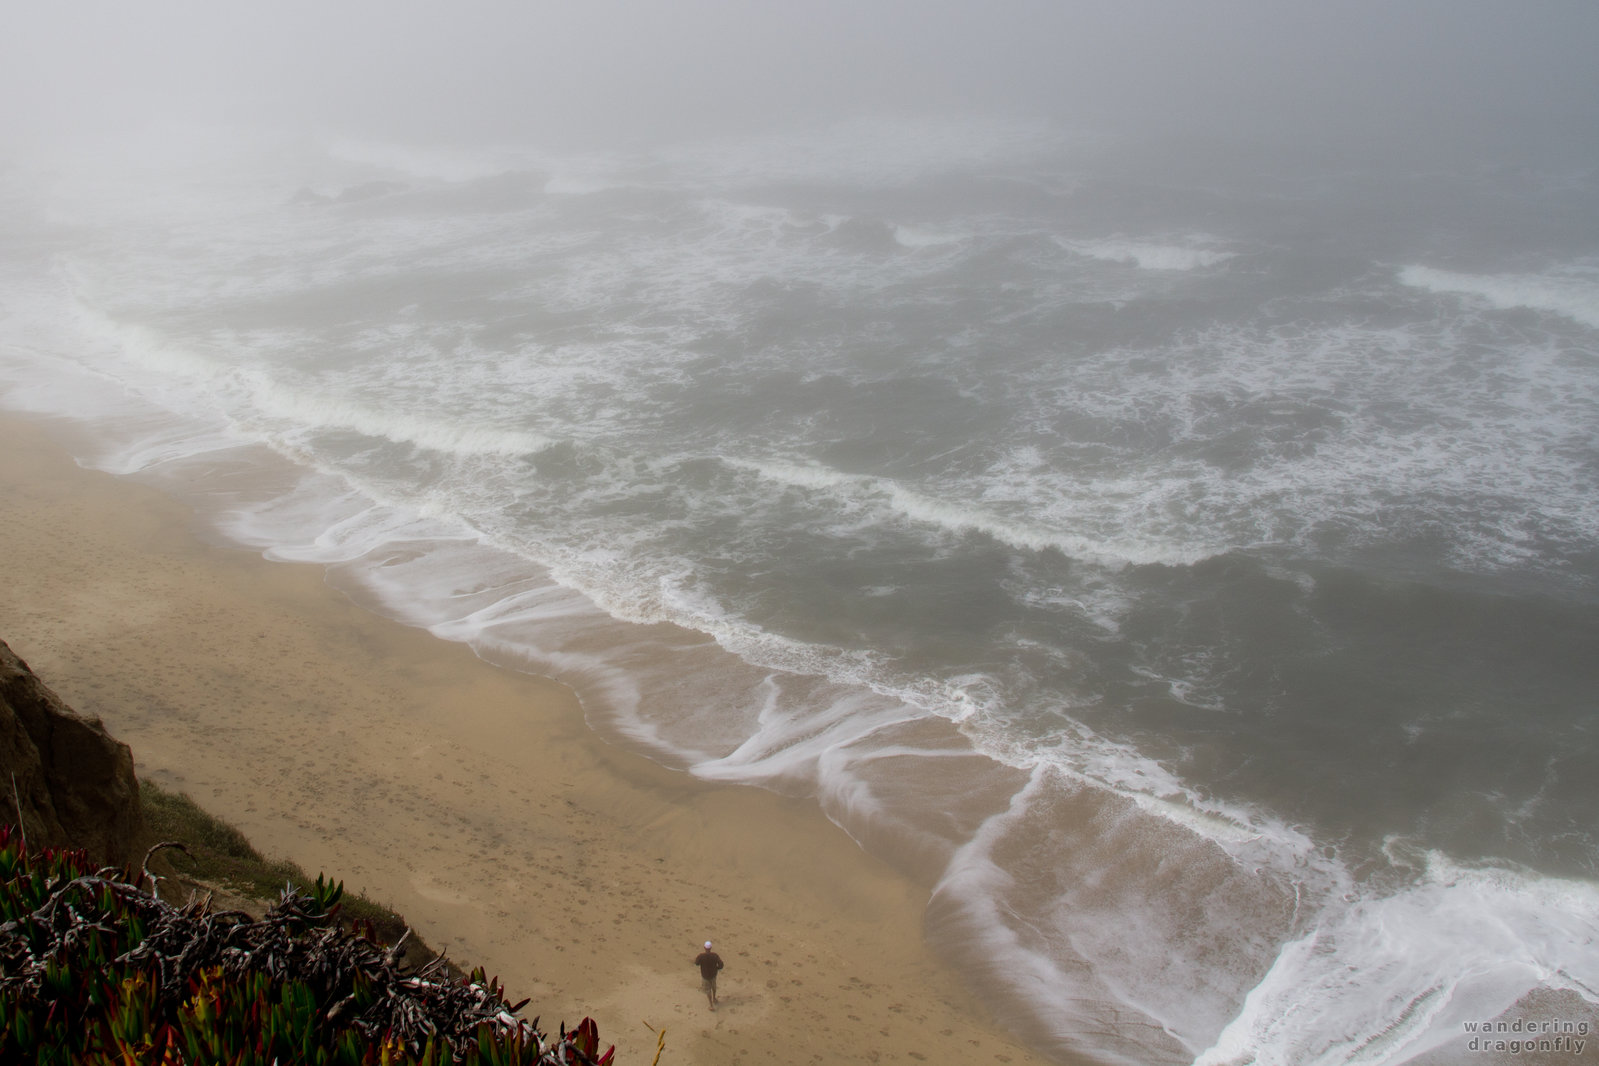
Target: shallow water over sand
<point>1190,575</point>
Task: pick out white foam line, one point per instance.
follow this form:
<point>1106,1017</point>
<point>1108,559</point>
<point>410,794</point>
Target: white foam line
<point>1393,977</point>
<point>959,518</point>
<point>781,747</point>
<point>1575,297</point>
<point>1072,1003</point>
<point>321,412</point>
<point>1147,255</point>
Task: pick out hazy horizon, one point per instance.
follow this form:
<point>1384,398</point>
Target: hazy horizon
<point>1133,466</point>
<point>1454,81</point>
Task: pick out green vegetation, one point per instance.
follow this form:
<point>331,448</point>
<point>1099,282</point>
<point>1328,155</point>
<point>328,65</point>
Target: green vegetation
<point>217,854</point>
<point>95,969</point>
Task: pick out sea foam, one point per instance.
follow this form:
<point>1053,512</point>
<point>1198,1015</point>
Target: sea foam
<point>314,411</point>
<point>961,518</point>
<point>1149,255</point>
<point>527,423</point>
<point>1573,293</point>
<point>1389,976</point>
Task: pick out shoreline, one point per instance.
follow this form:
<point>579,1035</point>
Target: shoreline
<point>474,800</point>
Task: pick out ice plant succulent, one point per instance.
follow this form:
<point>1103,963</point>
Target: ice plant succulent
<point>97,969</point>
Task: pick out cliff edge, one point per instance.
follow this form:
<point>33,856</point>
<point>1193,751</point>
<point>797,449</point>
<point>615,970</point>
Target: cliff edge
<point>64,779</point>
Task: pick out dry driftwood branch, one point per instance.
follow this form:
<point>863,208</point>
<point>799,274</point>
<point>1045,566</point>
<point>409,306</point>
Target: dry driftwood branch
<point>294,940</point>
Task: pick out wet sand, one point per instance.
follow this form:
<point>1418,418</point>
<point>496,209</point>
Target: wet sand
<point>472,799</point>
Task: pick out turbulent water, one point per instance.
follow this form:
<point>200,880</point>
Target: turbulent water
<point>1186,561</point>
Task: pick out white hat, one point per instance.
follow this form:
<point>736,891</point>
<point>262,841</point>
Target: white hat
<point>707,945</point>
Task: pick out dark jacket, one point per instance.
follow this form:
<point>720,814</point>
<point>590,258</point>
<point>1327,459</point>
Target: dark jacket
<point>708,962</point>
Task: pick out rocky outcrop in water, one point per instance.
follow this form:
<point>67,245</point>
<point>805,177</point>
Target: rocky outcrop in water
<point>68,781</point>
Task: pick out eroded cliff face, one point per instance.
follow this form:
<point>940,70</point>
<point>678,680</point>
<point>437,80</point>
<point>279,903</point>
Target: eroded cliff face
<point>72,780</point>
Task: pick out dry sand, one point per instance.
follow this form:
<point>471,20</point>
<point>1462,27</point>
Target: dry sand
<point>472,799</point>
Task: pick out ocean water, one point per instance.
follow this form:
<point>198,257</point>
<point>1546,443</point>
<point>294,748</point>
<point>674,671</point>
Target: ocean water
<point>1185,560</point>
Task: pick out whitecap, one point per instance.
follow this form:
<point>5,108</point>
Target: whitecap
<point>1572,292</point>
<point>311,411</point>
<point>1149,255</point>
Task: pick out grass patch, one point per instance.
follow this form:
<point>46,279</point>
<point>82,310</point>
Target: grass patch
<point>220,855</point>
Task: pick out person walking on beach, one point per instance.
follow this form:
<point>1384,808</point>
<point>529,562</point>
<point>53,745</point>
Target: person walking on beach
<point>709,963</point>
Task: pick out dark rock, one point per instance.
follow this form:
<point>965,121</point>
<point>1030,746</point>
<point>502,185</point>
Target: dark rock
<point>73,781</point>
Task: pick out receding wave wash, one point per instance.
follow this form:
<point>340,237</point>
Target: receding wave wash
<point>1148,493</point>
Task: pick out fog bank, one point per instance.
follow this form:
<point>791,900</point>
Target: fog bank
<point>1462,79</point>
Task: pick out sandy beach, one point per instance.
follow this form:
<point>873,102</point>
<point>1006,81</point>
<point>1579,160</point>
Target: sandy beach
<point>472,799</point>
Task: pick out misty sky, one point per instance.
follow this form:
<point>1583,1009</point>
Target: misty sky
<point>1366,74</point>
